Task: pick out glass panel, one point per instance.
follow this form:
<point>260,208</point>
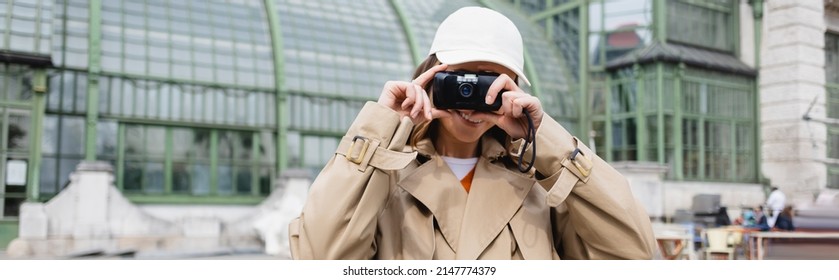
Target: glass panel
<point>72,133</point>
<point>705,23</point>
<point>181,179</point>
<point>243,179</point>
<point>182,139</point>
<point>191,41</point>
<point>225,179</point>
<point>154,141</point>
<point>652,138</point>
<point>65,167</point>
<point>265,176</point>
<point>134,140</point>
<point>17,137</point>
<point>718,149</point>
<point>624,140</point>
<point>132,176</point>
<point>833,177</point>
<point>833,143</point>
<point>599,138</point>
<point>200,174</point>
<point>49,140</point>
<point>106,138</point>
<point>153,177</point>
<point>29,24</point>
<point>313,30</point>
<point>48,178</point>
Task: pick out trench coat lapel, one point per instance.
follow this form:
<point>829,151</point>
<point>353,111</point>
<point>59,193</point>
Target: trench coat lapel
<point>496,195</point>
<point>436,187</point>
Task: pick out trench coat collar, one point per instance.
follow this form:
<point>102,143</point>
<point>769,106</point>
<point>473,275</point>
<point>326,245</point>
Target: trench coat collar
<point>469,223</point>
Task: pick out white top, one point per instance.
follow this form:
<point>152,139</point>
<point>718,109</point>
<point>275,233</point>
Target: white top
<point>461,166</point>
<point>776,200</point>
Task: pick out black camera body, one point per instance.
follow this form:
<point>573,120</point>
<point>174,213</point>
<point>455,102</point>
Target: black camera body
<point>463,90</point>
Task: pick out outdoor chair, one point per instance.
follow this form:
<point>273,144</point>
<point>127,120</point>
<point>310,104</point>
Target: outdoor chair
<point>719,241</point>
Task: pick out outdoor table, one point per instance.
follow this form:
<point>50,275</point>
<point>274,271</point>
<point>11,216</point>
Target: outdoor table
<point>757,238</point>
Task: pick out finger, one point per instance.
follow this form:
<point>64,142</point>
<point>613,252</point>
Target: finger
<point>418,103</point>
<point>395,96</point>
<point>502,83</point>
<point>426,101</point>
<point>487,117</point>
<point>440,114</point>
<point>410,98</point>
<point>426,76</point>
<point>515,108</point>
<point>529,103</point>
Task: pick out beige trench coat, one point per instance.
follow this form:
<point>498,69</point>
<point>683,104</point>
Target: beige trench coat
<point>376,199</point>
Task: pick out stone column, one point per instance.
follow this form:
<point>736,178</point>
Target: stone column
<point>93,179</point>
<point>792,84</point>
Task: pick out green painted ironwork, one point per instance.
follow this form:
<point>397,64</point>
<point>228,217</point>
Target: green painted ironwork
<point>120,157</point>
<point>279,80</point>
<point>214,161</point>
<point>583,65</point>
<point>609,130</point>
<point>416,53</point>
<point>167,163</point>
<point>555,10</point>
<point>549,23</point>
<point>192,199</point>
<point>678,154</point>
<point>39,88</point>
<point>94,51</point>
<point>702,23</point>
<point>660,129</point>
<point>640,118</point>
<point>659,21</point>
<point>255,168</point>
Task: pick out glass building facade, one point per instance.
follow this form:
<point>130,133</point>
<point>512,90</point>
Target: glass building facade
<point>661,82</point>
<point>208,101</point>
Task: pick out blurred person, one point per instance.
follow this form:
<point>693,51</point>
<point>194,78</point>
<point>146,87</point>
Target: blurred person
<point>759,220</point>
<point>775,204</point>
<point>411,181</point>
<point>784,221</point>
<point>722,218</point>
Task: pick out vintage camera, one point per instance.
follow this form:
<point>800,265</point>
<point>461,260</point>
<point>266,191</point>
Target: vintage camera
<point>464,90</point>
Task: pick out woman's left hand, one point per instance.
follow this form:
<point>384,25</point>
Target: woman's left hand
<point>510,116</point>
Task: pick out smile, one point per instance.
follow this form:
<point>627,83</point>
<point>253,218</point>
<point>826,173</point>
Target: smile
<point>466,117</point>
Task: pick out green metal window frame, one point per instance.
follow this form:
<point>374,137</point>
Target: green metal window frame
<point>257,188</point>
<point>698,122</point>
<point>27,27</point>
<point>22,96</point>
<point>684,15</point>
<point>183,39</point>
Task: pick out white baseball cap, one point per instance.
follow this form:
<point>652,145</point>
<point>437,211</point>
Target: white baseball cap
<point>479,34</point>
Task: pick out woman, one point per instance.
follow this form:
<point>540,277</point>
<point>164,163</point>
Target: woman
<point>410,181</point>
<point>784,221</point>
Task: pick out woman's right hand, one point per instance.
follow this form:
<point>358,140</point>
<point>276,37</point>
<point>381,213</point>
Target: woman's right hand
<point>410,99</point>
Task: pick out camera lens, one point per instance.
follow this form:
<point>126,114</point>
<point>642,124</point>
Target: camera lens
<point>465,90</point>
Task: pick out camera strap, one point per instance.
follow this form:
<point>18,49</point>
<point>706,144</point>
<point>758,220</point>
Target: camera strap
<point>529,139</point>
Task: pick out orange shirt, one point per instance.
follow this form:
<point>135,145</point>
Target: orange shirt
<point>466,182</point>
